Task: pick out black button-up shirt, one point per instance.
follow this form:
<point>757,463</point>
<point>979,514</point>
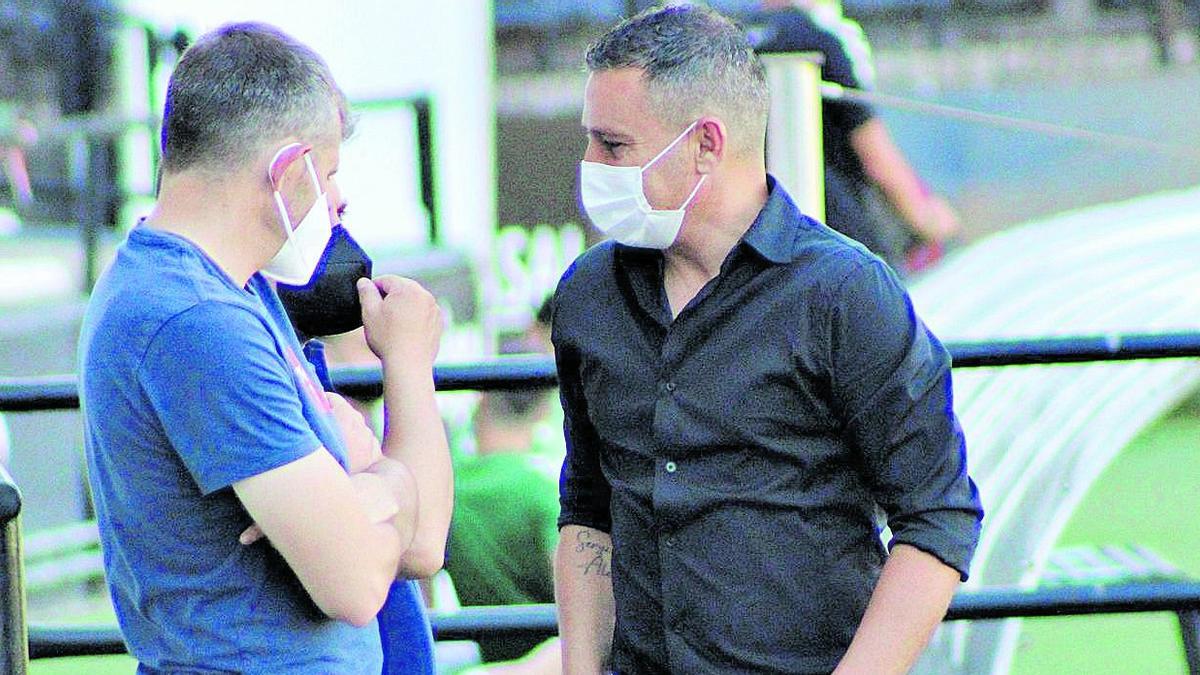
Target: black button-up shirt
<point>738,453</point>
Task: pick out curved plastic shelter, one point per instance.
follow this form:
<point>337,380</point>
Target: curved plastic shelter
<point>1038,437</point>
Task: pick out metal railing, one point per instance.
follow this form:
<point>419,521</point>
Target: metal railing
<point>476,623</point>
<point>59,392</point>
<point>472,623</point>
<point>14,652</point>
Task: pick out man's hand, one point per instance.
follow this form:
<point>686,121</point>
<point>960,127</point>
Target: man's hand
<point>376,497</point>
<point>362,445</point>
<point>402,320</point>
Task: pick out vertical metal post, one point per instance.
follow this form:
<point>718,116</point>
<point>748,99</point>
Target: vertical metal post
<point>14,637</point>
<point>1189,630</point>
<point>795,150</point>
<point>423,108</point>
<point>83,193</point>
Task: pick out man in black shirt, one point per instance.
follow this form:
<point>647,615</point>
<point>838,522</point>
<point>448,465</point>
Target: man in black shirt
<point>860,155</point>
<point>743,389</point>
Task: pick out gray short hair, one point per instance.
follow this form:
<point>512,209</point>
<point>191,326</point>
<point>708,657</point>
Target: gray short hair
<point>241,86</point>
<point>695,62</point>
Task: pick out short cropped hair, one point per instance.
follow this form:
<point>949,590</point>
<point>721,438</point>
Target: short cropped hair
<point>519,403</point>
<point>695,62</point>
<point>241,86</point>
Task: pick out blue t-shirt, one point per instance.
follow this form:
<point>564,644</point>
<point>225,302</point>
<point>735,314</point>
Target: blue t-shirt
<point>189,384</point>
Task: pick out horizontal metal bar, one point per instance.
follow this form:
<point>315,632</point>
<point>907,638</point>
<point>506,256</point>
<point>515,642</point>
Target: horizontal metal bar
<point>58,392</point>
<point>507,372</point>
<point>50,642</point>
<point>471,623</point>
<point>48,392</point>
<point>1076,600</point>
<point>1114,347</point>
<point>474,623</point>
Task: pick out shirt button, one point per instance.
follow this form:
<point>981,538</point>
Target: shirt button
<point>670,386</point>
<point>669,541</point>
<point>670,467</point>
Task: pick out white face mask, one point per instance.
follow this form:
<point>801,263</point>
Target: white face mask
<point>296,261</point>
<point>615,202</point>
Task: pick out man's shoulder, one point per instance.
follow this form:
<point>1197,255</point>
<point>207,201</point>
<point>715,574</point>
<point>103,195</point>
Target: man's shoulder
<point>594,266</point>
<point>598,259</point>
<point>824,256</point>
<point>135,311</point>
<point>786,30</point>
<point>127,324</point>
<point>152,283</point>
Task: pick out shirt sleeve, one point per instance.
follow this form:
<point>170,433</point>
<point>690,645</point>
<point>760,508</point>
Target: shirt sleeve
<point>224,395</point>
<point>584,492</point>
<point>892,387</point>
<point>839,69</point>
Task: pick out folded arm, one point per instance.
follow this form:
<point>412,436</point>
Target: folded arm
<point>338,533</point>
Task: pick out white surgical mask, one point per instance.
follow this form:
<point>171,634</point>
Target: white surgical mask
<point>296,261</point>
<point>615,202</point>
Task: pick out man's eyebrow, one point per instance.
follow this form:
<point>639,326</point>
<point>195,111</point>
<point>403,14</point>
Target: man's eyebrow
<point>607,134</point>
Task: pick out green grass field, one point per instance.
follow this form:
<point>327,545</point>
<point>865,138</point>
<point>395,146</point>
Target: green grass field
<point>1149,496</point>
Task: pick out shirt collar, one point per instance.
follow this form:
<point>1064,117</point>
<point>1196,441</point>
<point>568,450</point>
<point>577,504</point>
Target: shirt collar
<point>773,233</point>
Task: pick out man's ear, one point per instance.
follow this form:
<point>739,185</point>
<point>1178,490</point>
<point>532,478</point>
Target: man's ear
<point>283,163</point>
<point>713,137</point>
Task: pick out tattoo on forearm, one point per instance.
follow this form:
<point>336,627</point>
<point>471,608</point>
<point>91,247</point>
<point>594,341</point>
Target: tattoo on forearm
<point>600,561</point>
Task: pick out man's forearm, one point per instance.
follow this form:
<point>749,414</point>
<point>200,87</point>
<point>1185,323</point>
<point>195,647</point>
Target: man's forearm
<point>886,166</point>
<point>583,591</point>
<point>414,436</point>
<point>909,602</point>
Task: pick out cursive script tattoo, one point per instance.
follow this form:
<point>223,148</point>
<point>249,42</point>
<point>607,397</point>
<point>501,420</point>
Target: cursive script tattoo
<point>600,562</point>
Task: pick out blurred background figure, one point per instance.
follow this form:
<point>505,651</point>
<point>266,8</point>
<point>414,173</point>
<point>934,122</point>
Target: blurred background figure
<point>15,134</point>
<point>872,193</point>
<point>504,530</point>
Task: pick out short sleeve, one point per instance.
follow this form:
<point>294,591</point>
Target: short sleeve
<point>793,31</point>
<point>224,395</point>
<point>839,68</point>
<point>892,387</point>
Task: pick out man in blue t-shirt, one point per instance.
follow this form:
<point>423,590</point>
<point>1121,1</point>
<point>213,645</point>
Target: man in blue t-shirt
<point>239,533</point>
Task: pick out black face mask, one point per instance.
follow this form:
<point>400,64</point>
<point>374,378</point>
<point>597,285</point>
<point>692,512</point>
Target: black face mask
<point>329,304</point>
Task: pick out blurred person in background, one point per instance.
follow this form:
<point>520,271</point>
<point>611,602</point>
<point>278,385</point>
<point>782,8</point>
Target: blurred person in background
<point>15,135</point>
<point>911,224</point>
<point>504,531</point>
<point>240,531</point>
<point>744,391</point>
